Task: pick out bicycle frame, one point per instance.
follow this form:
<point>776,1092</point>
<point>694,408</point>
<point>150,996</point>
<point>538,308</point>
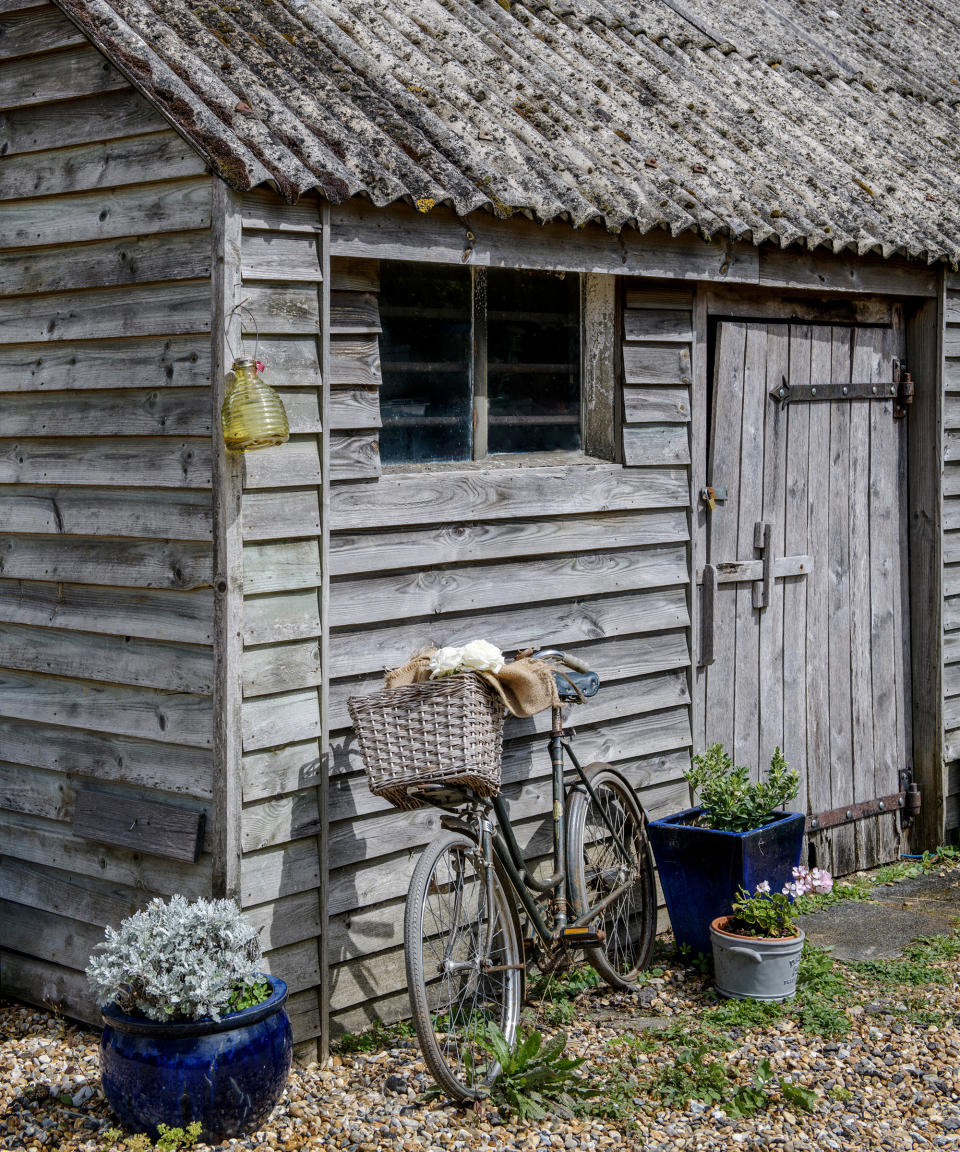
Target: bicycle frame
<point>510,856</point>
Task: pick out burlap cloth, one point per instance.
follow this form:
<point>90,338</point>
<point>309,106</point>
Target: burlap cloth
<point>525,686</point>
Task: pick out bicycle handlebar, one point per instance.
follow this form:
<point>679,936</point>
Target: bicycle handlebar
<point>563,657</point>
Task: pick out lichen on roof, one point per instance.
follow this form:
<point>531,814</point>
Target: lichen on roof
<point>783,121</point>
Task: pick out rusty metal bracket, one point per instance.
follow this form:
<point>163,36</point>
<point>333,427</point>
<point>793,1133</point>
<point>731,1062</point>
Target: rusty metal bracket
<point>905,393</point>
<point>848,814</point>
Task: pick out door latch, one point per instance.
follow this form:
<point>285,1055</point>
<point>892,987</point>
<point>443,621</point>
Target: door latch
<point>713,496</point>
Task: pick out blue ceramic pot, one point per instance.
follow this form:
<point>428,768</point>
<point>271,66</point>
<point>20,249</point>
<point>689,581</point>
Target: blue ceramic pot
<point>701,869</point>
<point>228,1073</point>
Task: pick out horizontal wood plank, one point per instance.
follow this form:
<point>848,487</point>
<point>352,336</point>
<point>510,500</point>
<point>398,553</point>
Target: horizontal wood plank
<point>47,126</point>
<point>166,717</point>
<point>359,229</point>
<point>37,792</point>
<point>286,256</point>
<point>280,871</point>
<point>27,31</point>
<point>281,567</point>
<point>61,75</point>
<point>845,272</point>
<point>475,587</point>
<point>138,512</point>
<point>294,464</point>
<point>348,275</point>
<point>277,771</point>
<point>287,920</point>
<point>281,667</point>
<point>281,309</point>
<point>40,982</point>
<point>658,324</point>
<point>268,721</point>
<point>142,825</point>
<point>40,842</point>
<point>281,515</point>
<point>663,445</point>
<point>126,760</point>
<point>354,313</point>
<point>550,624</point>
<point>285,616</point>
<point>441,497</point>
<point>103,164</point>
<point>178,564</point>
<point>157,362</point>
<point>155,462</point>
<point>355,362</point>
<point>277,821</point>
<point>354,457</point>
<point>144,310</point>
<point>111,659</point>
<point>656,405</point>
<point>656,364</point>
<point>263,208</point>
<point>355,552</point>
<point>186,617</point>
<point>106,263</point>
<point>86,899</point>
<point>171,206</point>
<point>354,408</point>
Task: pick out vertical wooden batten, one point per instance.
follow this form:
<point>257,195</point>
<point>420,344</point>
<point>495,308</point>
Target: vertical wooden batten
<point>925,438</point>
<point>228,550</point>
<point>324,604</point>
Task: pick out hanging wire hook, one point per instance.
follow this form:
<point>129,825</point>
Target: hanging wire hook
<point>241,308</point>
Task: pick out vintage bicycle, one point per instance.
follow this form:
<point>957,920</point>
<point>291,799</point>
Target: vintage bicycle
<point>477,914</point>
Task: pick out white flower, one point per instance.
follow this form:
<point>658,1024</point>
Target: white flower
<point>477,656</point>
<point>445,661</point>
<point>763,886</point>
<point>481,656</point>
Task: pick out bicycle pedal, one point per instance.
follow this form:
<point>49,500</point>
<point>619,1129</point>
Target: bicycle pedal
<point>582,937</point>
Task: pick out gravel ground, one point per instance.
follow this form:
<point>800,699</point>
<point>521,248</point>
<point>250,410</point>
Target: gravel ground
<point>890,1082</point>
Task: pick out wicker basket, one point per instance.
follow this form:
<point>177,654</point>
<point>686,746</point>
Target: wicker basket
<point>447,731</point>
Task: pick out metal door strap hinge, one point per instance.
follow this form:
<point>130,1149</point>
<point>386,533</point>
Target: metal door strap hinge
<point>901,390</point>
<point>907,802</point>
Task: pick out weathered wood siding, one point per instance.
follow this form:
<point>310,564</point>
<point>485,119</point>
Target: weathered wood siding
<point>951,554</point>
<point>281,617</point>
<point>106,613</point>
<point>588,556</point>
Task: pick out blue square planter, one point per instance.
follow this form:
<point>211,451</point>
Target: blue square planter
<point>701,869</point>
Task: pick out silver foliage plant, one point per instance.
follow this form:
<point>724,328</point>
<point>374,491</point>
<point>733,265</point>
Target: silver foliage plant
<point>181,960</point>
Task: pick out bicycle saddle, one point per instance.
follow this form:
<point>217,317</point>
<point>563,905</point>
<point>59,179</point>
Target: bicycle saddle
<point>576,686</point>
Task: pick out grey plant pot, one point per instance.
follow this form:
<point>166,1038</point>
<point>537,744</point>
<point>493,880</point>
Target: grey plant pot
<point>754,967</point>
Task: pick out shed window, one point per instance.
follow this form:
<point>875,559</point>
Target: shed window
<point>477,362</point>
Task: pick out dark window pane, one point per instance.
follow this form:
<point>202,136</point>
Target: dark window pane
<point>533,361</point>
<point>425,354</point>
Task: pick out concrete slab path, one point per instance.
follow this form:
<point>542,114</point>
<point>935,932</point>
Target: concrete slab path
<point>881,927</point>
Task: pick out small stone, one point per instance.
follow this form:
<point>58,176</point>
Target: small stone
<point>396,1083</point>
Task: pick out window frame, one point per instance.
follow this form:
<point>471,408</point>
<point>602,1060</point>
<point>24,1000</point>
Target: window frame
<point>599,369</point>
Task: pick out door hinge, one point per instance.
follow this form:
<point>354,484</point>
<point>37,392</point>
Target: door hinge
<point>906,802</point>
<point>900,389</point>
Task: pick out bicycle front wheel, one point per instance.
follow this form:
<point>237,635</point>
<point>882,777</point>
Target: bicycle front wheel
<point>464,965</point>
<point>610,869</point>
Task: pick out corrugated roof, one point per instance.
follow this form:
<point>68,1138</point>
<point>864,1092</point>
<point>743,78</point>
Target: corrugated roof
<point>768,120</point>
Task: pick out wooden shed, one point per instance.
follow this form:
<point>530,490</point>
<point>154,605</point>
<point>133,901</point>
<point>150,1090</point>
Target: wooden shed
<point>592,321</point>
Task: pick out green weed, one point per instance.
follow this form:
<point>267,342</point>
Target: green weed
<point>535,1078</point>
<point>172,1139</point>
<point>919,966</point>
<point>375,1038</point>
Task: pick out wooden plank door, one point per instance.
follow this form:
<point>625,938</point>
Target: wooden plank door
<point>805,573</point>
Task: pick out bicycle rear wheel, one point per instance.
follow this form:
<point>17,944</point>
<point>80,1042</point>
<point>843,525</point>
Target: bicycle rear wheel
<point>597,867</point>
<point>464,964</point>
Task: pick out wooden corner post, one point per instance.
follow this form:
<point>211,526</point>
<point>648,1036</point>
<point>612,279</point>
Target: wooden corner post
<point>227,551</point>
<point>925,326</point>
